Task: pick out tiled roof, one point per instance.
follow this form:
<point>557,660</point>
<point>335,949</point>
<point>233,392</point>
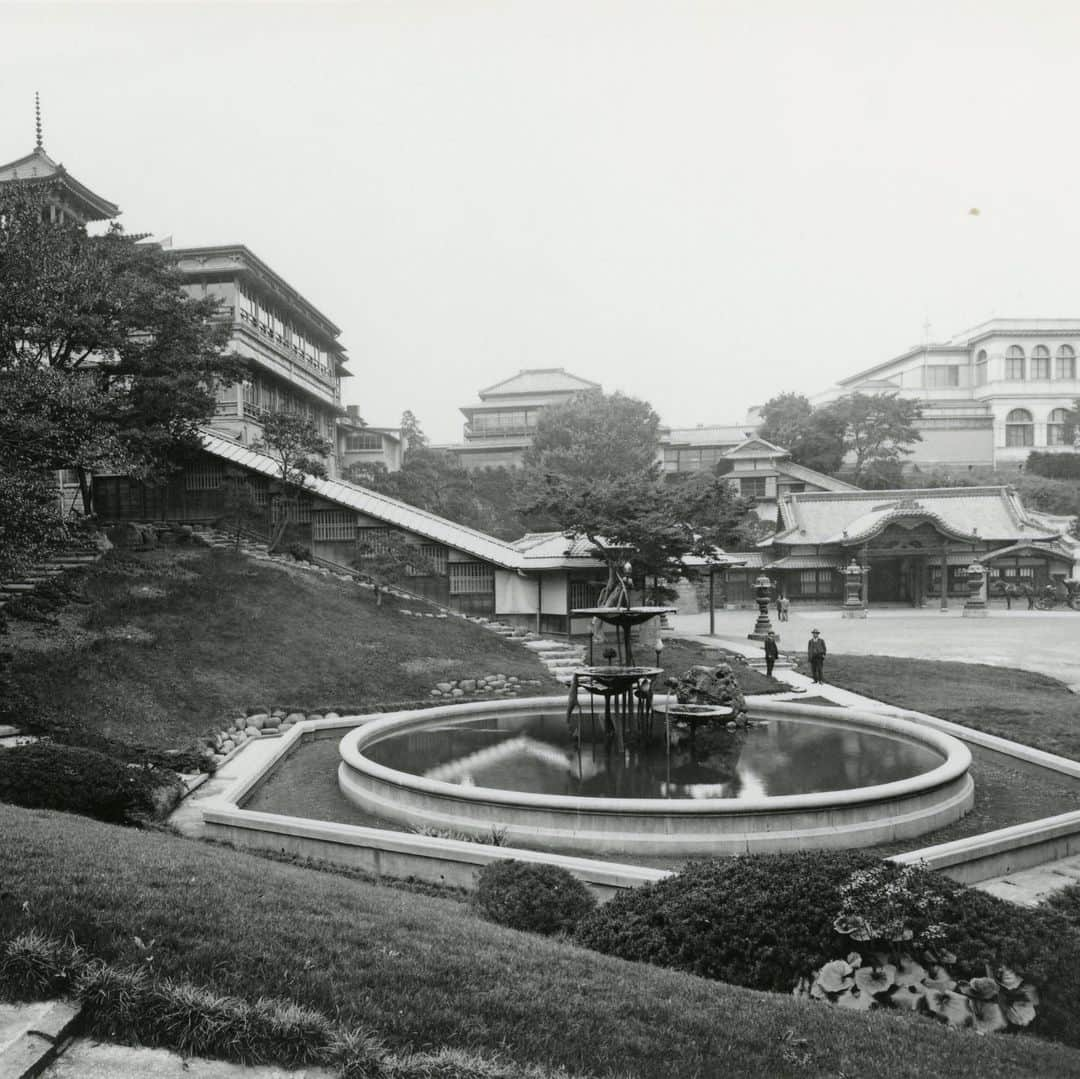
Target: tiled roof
<point>540,380</point>
<point>1053,547</point>
<point>809,475</point>
<point>703,436</point>
<point>971,513</point>
<point>805,561</point>
<point>376,505</point>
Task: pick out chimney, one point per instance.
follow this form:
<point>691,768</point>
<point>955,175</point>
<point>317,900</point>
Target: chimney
<point>353,411</point>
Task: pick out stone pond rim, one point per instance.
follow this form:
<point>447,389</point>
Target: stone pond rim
<point>857,817</point>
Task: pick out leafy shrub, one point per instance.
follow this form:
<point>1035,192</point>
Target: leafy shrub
<point>759,920</point>
<point>767,921</point>
<point>1066,903</point>
<point>48,776</point>
<point>536,898</point>
<point>1056,466</point>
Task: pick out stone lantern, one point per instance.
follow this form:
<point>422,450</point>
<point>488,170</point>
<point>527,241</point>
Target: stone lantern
<point>762,593</point>
<point>853,604</point>
<point>975,604</point>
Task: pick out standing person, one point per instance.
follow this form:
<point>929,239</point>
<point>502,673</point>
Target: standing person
<point>779,607</point>
<point>815,652</point>
<point>772,653</point>
<point>784,604</point>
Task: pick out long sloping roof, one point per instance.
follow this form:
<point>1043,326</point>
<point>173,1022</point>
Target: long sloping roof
<point>809,475</point>
<point>376,505</point>
<point>971,513</point>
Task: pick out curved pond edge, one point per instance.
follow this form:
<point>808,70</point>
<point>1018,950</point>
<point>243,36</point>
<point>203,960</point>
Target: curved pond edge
<point>858,817</point>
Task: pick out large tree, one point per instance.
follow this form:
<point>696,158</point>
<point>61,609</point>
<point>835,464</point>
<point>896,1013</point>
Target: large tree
<point>593,469</point>
<point>878,431</point>
<point>116,363</point>
<point>814,438</point>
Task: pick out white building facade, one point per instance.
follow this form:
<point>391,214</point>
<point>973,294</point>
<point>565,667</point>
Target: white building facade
<point>990,395</point>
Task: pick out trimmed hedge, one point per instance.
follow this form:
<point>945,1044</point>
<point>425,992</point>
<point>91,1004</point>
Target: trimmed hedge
<point>47,776</point>
<point>1055,466</point>
<point>532,897</point>
<point>765,921</point>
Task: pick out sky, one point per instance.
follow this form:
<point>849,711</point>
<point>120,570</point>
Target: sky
<point>702,204</point>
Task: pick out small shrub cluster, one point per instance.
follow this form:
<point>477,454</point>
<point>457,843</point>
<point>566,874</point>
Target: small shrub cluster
<point>36,967</point>
<point>1066,903</point>
<point>48,776</point>
<point>770,921</point>
<point>536,898</point>
<point>1055,466</point>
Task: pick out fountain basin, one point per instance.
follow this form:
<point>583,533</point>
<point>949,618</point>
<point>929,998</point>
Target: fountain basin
<point>692,826</point>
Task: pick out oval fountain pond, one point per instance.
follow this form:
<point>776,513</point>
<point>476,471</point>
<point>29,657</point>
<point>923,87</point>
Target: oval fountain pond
<point>798,777</point>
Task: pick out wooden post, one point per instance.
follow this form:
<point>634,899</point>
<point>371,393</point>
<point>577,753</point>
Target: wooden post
<point>540,600</point>
<point>866,576</point>
<point>945,576</point>
<point>712,601</point>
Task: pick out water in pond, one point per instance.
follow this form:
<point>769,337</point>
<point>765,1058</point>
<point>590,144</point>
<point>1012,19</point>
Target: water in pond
<point>535,753</point>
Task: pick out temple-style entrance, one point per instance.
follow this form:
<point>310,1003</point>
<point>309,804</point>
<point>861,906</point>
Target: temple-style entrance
<point>899,579</point>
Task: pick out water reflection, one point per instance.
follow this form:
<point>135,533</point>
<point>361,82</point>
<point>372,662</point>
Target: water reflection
<point>534,753</point>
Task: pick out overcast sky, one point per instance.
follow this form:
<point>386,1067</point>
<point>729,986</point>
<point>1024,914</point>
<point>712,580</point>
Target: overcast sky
<point>700,204</point>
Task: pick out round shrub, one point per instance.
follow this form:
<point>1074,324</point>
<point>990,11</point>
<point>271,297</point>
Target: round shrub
<point>48,776</point>
<point>758,920</point>
<point>535,898</point>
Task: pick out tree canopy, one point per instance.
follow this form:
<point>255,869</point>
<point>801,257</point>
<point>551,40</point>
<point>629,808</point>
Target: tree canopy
<point>594,470</point>
<point>105,359</point>
<point>871,432</point>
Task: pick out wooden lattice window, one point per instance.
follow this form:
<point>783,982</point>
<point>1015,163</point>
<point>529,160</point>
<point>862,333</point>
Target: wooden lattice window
<point>436,554</point>
<point>204,476</point>
<point>333,525</point>
<point>470,578</point>
<point>293,511</point>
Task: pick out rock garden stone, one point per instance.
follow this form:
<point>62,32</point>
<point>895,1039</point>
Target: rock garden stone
<point>468,684</point>
<point>332,715</point>
<point>296,717</point>
<point>253,732</point>
<point>444,687</point>
<point>457,692</point>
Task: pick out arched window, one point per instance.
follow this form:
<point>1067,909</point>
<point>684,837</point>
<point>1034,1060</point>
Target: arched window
<point>1019,428</point>
<point>1055,427</point>
<point>1040,362</point>
<point>981,368</point>
<point>1065,367</point>
<point>1014,363</point>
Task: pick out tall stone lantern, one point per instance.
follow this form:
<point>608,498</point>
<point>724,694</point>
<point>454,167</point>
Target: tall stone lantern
<point>975,604</point>
<point>853,603</point>
<point>762,593</point>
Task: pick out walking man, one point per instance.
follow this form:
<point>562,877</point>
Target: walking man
<point>815,652</point>
<point>771,653</point>
<point>784,604</point>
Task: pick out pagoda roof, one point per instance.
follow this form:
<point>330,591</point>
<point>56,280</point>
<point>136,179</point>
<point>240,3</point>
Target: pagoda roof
<point>539,380</point>
<point>38,168</point>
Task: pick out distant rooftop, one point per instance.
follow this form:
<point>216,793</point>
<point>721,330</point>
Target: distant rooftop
<point>539,380</point>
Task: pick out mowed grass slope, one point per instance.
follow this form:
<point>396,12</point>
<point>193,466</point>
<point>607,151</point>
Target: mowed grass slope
<point>426,972</point>
<point>1019,705</point>
<point>175,641</point>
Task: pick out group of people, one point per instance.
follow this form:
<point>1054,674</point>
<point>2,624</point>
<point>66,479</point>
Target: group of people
<point>815,653</point>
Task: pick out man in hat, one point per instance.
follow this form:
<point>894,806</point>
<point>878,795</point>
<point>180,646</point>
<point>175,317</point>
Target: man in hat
<point>815,652</point>
<point>772,652</point>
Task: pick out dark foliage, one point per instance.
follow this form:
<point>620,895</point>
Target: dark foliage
<point>535,898</point>
<point>1055,466</point>
<point>763,921</point>
<point>76,780</point>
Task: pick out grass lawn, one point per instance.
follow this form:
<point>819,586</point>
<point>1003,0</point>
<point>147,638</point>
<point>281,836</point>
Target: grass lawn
<point>1030,708</point>
<point>426,972</point>
<point>176,640</point>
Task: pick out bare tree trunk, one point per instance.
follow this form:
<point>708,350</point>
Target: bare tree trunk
<point>86,490</point>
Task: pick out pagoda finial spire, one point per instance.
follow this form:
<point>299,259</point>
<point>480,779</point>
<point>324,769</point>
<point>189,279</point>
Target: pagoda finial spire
<point>37,121</point>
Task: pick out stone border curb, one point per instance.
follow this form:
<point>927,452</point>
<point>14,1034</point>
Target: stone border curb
<point>38,1045</point>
